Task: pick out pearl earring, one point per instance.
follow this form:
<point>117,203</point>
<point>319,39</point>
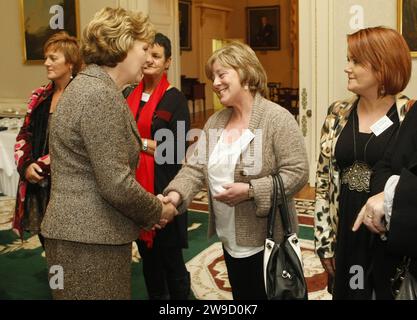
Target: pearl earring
<point>382,91</point>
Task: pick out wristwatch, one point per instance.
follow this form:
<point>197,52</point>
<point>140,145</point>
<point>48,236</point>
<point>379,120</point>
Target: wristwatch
<point>145,145</point>
<point>251,192</point>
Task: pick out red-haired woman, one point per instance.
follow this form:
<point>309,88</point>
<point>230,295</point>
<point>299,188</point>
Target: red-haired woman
<point>62,63</point>
<point>355,135</point>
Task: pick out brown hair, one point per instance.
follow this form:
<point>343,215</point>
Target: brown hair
<point>243,59</point>
<point>386,51</point>
<point>68,45</point>
<point>111,34</point>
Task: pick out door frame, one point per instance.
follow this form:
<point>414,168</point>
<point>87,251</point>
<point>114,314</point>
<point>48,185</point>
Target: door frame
<point>316,72</point>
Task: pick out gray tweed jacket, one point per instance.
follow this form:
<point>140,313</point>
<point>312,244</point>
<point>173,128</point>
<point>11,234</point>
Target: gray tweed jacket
<point>282,150</point>
<point>94,146</point>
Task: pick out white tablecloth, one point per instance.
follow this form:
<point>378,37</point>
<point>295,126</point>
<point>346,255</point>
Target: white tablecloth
<point>9,178</point>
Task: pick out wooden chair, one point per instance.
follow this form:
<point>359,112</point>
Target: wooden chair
<point>288,98</point>
<point>194,90</point>
<point>273,90</point>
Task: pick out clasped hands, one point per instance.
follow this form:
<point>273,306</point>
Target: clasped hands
<point>372,215</point>
<point>233,194</point>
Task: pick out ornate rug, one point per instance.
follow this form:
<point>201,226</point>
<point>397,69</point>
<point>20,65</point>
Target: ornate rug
<point>208,269</point>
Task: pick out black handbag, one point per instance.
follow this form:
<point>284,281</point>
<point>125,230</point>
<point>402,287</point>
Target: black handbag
<point>404,284</point>
<point>283,267</point>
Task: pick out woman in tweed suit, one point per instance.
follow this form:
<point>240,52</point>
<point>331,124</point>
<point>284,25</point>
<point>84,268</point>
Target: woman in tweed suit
<point>267,139</point>
<point>97,207</point>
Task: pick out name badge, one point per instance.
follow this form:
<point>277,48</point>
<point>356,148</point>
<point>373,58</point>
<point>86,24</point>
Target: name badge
<point>381,125</point>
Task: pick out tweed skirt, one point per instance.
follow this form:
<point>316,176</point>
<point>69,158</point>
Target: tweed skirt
<point>90,271</point>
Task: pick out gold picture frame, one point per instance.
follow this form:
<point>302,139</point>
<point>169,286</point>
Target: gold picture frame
<point>184,11</point>
<point>407,23</point>
<point>42,18</point>
<point>263,27</point>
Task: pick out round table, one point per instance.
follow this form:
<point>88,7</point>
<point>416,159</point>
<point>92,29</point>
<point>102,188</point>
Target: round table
<point>9,178</point>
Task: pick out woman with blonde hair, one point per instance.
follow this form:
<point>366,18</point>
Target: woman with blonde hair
<point>355,135</point>
<point>62,63</point>
<point>97,207</point>
<point>240,149</point>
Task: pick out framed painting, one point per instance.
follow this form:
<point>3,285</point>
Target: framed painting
<point>263,27</point>
<point>42,18</point>
<point>407,23</point>
<point>184,11</point>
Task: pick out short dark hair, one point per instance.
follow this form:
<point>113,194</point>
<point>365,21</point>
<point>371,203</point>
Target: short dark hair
<point>163,41</point>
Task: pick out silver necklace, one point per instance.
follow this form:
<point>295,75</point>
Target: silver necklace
<point>358,175</point>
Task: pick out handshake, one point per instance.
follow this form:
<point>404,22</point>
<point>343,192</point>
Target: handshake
<point>169,208</point>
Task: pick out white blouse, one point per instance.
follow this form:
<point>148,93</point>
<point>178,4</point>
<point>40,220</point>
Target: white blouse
<point>221,168</point>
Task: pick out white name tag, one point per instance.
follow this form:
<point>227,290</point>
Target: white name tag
<point>145,97</point>
<point>381,125</point>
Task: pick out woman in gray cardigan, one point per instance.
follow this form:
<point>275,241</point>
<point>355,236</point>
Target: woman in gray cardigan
<point>240,148</point>
<point>97,207</point>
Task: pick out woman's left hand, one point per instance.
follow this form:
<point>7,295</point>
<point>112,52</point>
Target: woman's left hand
<point>372,215</point>
<point>233,194</point>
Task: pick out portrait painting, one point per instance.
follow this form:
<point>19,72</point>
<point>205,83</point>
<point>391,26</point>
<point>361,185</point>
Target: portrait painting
<point>42,18</point>
<point>407,23</point>
<point>263,27</point>
<point>184,12</point>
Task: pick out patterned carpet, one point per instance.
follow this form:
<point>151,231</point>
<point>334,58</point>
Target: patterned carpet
<point>204,258</point>
<point>208,269</point>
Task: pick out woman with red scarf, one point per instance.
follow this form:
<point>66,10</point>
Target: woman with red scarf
<point>156,105</point>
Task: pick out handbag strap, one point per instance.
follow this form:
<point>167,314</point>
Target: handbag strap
<point>274,207</point>
<point>283,208</point>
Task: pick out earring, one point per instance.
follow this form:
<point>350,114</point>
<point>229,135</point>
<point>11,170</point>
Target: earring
<point>246,87</point>
<point>382,91</point>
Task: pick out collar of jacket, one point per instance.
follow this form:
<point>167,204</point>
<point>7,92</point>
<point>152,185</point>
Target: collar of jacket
<point>345,107</point>
<point>39,95</point>
<point>342,110</point>
<point>93,70</point>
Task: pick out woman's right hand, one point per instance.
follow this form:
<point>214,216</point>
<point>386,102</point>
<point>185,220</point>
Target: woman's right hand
<point>32,173</point>
<point>172,197</point>
<point>329,265</point>
<point>168,212</point>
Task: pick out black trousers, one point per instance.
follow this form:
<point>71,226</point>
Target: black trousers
<point>166,276</point>
<point>246,276</point>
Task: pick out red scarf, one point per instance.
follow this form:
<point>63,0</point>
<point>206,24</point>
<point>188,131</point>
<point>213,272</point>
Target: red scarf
<point>145,171</point>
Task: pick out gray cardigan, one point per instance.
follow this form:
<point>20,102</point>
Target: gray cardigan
<point>94,147</point>
<point>282,150</point>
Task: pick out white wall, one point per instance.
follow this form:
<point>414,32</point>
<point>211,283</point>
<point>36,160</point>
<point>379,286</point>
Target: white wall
<point>376,13</point>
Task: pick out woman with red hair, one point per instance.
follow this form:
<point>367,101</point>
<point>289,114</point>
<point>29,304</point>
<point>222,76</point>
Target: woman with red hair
<point>355,135</point>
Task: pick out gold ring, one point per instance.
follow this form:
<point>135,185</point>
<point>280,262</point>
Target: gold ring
<point>370,216</point>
